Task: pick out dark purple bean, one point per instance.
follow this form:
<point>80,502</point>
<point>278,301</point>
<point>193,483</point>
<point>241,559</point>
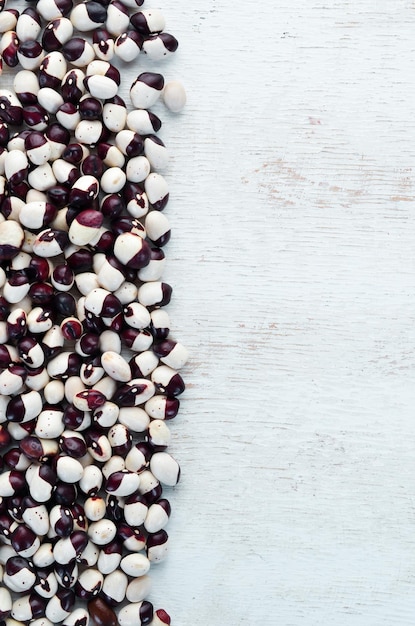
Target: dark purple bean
<point>92,166</point>
<point>24,540</point>
<point>64,493</point>
<point>58,195</point>
<point>74,153</point>
<point>112,205</point>
<point>64,304</point>
<point>41,293</point>
<point>90,108</point>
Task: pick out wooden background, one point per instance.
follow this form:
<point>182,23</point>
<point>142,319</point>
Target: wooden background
<point>293,266</point>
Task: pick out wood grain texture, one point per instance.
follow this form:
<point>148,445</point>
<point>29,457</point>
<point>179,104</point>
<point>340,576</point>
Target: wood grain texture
<point>293,267</point>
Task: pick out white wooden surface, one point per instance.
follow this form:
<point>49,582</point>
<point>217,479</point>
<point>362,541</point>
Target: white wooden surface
<point>293,265</point>
<point>293,262</point>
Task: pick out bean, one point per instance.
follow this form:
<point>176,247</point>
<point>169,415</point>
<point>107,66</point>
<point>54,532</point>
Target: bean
<point>161,618</point>
<point>135,565</point>
<point>28,607</point>
<point>5,603</point>
<point>114,587</point>
<point>60,606</point>
<point>157,546</point>
<point>128,45</point>
<point>148,22</point>
<point>139,588</point>
<point>19,574</point>
<point>174,96</point>
<point>101,613</point>
<point>158,514</point>
<point>136,613</point>
<point>67,575</point>
<point>161,46</point>
<point>56,33</point>
<point>103,44</point>
<point>102,532</point>
<point>146,90</point>
<point>89,584</point>
<point>118,18</point>
<point>85,17</point>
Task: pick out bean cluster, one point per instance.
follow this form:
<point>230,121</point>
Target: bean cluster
<point>89,374</point>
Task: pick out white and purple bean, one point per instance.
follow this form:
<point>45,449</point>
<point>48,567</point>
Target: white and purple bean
<point>88,372</point>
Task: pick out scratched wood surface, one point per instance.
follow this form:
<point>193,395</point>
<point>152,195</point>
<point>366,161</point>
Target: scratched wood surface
<point>293,265</point>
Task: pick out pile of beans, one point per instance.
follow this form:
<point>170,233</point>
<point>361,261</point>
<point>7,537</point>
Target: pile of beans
<point>89,373</point>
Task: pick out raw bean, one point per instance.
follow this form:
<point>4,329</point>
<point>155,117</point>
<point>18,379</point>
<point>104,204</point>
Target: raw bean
<point>41,483</point>
<point>69,117</point>
<point>103,44</point>
<point>136,613</point>
<point>37,449</point>
<point>91,480</point>
<point>47,584</point>
<point>30,54</point>
<point>128,46</point>
<point>60,606</point>
<point>89,584</point>
<point>143,122</point>
<point>26,86</point>
<point>122,483</point>
<point>135,565</point>
<point>11,240</point>
<point>160,324</point>
<point>66,575</point>
<point>28,607</point>
<point>95,508</point>
<point>156,153</point>
<point>118,18</point>
<point>148,21</point>
<point>138,458</point>
<point>72,86</point>
<point>138,169</point>
<point>102,532</point>
<point>135,510</point>
<point>5,603</point>
<point>150,487</point>
<point>49,424</point>
<point>146,90</point>
<point>110,557</point>
<point>56,33</point>
<point>85,226</point>
<point>49,9</point>
<point>61,521</point>
<point>68,548</point>
<point>157,191</point>
<point>159,434</point>
<point>143,364</point>
<point>157,546</point>
<point>171,353</point>
<point>19,574</point>
<point>114,464</point>
<point>161,46</point>
<point>174,96</point>
<point>167,380</point>
<point>44,556</point>
<point>114,114</point>
<point>116,366</point>
<point>101,613</point>
<point>165,468</point>
<point>114,587</point>
<point>135,419</point>
<point>155,294</point>
<point>52,70</point>
<point>87,16</point>
<point>157,228</point>
<point>24,541</point>
<point>161,618</point>
<point>139,588</point>
<point>78,52</point>
<point>49,99</point>
<point>68,469</point>
<point>8,20</point>
<point>158,515</point>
